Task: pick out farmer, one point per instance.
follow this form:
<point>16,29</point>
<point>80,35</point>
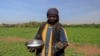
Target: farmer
<point>53,35</point>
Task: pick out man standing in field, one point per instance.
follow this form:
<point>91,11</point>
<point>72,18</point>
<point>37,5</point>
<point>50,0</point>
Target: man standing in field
<point>53,35</point>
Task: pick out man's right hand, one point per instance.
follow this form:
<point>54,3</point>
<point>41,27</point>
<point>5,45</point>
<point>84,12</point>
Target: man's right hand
<point>30,49</point>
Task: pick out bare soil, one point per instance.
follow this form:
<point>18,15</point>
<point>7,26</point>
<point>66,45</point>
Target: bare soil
<point>85,49</point>
<point>13,39</point>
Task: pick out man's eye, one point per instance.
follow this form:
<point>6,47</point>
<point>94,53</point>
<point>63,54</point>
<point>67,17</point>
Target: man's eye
<point>53,16</point>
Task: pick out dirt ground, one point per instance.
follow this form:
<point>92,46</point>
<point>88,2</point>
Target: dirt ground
<point>85,49</point>
<point>13,39</point>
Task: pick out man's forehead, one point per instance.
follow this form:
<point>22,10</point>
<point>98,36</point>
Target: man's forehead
<point>51,15</point>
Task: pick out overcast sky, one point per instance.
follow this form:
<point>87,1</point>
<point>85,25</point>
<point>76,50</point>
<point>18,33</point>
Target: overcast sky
<point>71,11</point>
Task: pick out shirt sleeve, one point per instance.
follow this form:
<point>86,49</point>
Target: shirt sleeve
<point>37,34</point>
<point>63,35</point>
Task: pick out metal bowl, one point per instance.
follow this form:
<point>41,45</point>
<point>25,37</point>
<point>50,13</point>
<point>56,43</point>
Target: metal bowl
<point>35,43</point>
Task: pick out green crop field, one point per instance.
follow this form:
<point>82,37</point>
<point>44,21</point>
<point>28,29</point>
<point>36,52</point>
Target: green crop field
<point>81,41</point>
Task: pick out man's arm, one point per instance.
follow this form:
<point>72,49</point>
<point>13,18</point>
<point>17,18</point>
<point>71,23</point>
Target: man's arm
<point>63,39</point>
<point>37,36</point>
<point>63,36</point>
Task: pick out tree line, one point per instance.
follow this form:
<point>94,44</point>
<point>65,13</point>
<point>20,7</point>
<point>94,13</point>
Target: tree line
<point>37,24</point>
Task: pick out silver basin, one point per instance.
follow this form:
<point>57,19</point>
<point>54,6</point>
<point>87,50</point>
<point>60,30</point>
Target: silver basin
<point>35,43</point>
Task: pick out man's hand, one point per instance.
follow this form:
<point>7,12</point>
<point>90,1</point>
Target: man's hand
<point>59,45</point>
<point>30,49</point>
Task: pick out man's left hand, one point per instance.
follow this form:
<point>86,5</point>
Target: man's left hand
<point>59,45</point>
